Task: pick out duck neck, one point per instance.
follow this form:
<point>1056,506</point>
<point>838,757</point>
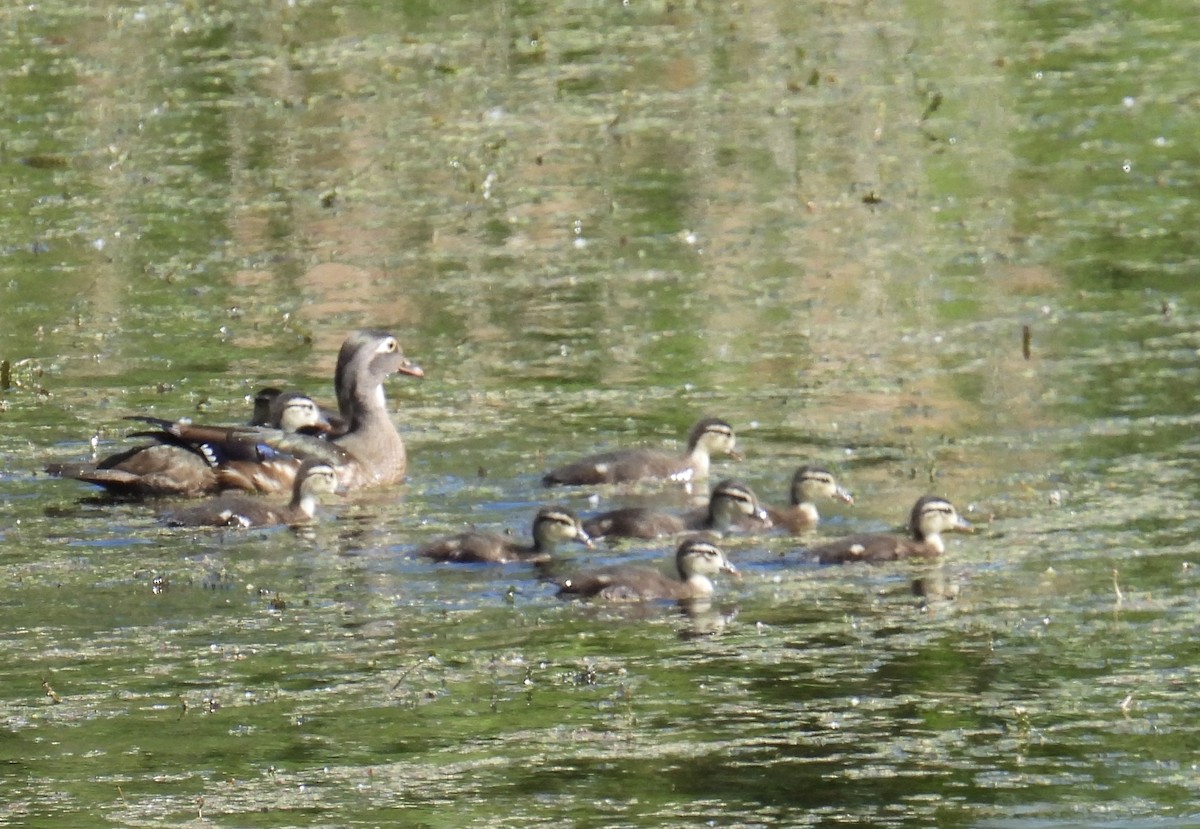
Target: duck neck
<point>808,511</point>
<point>721,515</point>
<point>934,542</point>
<point>304,503</point>
<point>698,460</point>
<point>367,407</point>
<point>543,542</point>
<point>699,585</point>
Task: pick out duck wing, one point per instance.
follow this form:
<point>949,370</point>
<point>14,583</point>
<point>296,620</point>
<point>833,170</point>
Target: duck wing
<point>633,522</point>
<point>869,548</point>
<point>620,466</point>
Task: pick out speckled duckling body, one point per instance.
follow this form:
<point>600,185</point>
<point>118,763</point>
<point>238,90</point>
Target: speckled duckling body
<point>314,479</point>
<point>732,506</point>
<point>697,561</point>
<point>708,437</point>
<point>930,517</point>
<point>552,526</point>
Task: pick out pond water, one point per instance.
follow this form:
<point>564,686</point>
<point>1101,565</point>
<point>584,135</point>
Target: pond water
<point>944,248</point>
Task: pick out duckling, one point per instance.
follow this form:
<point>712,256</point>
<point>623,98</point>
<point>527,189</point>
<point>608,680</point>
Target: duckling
<point>708,437</point>
<point>696,561</point>
<point>293,411</point>
<point>808,484</point>
<point>264,400</point>
<point>551,527</point>
<point>313,479</point>
<point>732,506</point>
<point>931,516</point>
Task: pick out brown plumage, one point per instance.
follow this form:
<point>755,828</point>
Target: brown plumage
<point>313,479</point>
<point>708,437</point>
<point>191,459</point>
<point>264,400</point>
<point>931,516</point>
<point>551,526</point>
<point>809,484</point>
<point>697,560</point>
<point>731,506</point>
<point>148,470</point>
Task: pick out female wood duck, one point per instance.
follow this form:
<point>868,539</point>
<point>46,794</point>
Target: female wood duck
<point>190,459</point>
<point>551,527</point>
<point>708,437</point>
<point>697,560</point>
<point>732,506</point>
<point>809,484</point>
<point>314,478</point>
<point>931,516</point>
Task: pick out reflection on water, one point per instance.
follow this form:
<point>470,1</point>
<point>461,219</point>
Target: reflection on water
<point>591,226</point>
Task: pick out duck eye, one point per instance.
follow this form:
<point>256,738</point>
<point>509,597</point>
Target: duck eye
<point>389,345</point>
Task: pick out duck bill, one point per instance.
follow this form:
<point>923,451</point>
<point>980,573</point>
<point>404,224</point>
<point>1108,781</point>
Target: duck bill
<point>586,540</point>
<point>728,569</point>
<point>411,369</point>
<point>735,455</point>
<point>764,519</point>
<point>962,525</point>
<point>844,495</point>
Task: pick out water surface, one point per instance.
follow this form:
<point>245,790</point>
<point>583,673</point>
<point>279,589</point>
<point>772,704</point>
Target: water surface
<point>592,225</point>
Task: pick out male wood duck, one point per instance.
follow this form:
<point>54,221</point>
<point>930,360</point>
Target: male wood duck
<point>697,560</point>
<point>314,478</point>
<point>732,506</point>
<point>190,459</point>
<point>552,526</point>
<point>708,437</point>
<point>809,484</point>
<point>931,516</point>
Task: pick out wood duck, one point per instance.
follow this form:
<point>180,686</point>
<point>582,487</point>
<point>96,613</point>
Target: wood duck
<point>708,437</point>
<point>191,459</point>
<point>160,468</point>
<point>809,484</point>
<point>931,516</point>
<point>264,400</point>
<point>551,527</point>
<point>731,506</point>
<point>697,560</point>
<point>294,411</point>
<point>314,478</point>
